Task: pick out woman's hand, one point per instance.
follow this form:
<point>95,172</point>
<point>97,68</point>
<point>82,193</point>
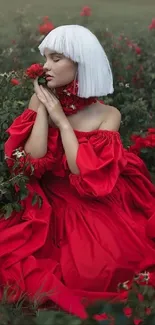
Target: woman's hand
<point>52,104</point>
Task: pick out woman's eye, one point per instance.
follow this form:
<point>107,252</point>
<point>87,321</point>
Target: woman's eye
<point>56,59</point>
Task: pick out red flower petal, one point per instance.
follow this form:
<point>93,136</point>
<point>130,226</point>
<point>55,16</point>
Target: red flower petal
<point>151,130</point>
<point>137,321</point>
<point>86,11</point>
<point>138,50</point>
<point>152,25</point>
<point>46,27</point>
<point>127,311</point>
<point>34,71</point>
<point>15,82</point>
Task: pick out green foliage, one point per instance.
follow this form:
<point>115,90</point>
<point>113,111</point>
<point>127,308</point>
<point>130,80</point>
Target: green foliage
<point>13,186</point>
<point>137,308</point>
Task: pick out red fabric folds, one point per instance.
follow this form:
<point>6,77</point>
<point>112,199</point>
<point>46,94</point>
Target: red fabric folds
<point>19,133</point>
<point>100,160</point>
<point>93,230</point>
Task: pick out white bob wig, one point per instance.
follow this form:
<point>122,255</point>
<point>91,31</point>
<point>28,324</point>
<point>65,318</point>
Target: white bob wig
<point>81,46</point>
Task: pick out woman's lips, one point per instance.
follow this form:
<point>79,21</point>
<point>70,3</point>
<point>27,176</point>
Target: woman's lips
<point>49,78</point>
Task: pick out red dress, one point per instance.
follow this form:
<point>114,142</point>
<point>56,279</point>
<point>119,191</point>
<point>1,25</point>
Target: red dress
<point>93,231</point>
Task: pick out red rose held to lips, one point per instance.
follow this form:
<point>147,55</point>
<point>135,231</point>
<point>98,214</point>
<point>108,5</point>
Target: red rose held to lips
<point>34,71</point>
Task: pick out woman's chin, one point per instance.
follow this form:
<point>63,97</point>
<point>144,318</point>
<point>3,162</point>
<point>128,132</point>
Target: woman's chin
<point>51,84</point>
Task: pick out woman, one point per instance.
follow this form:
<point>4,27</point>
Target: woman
<point>95,227</point>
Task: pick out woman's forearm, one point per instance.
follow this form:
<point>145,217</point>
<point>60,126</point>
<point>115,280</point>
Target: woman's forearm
<point>70,145</point>
<point>36,144</point>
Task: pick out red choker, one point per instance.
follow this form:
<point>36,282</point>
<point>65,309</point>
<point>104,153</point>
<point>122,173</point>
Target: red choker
<point>70,101</point>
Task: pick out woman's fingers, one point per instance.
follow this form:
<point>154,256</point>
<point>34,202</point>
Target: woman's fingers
<point>49,95</point>
<point>37,88</point>
<point>36,85</point>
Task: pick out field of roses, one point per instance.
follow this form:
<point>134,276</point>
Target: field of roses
<point>133,65</point>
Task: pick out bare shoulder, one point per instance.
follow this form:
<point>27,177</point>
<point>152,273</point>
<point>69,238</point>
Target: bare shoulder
<point>107,109</point>
<point>110,117</point>
<point>34,103</point>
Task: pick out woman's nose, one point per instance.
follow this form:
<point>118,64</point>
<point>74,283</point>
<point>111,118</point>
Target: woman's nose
<point>46,66</point>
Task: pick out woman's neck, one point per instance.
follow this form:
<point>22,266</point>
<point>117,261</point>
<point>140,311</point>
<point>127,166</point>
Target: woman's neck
<point>70,101</point>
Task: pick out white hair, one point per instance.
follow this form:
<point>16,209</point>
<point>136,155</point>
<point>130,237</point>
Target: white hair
<point>81,46</point>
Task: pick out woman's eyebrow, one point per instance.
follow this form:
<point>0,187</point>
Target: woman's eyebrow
<point>54,54</point>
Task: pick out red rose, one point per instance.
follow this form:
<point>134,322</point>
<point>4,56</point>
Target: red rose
<point>15,82</point>
<point>137,321</point>
<point>86,11</point>
<point>135,47</point>
<point>101,317</point>
<point>127,311</point>
<point>138,50</point>
<point>120,37</point>
<point>152,25</point>
<point>138,144</point>
<point>129,67</point>
<point>46,27</point>
<point>151,130</point>
<point>134,137</point>
<point>130,44</point>
<point>120,78</point>
<point>147,142</point>
<point>142,142</point>
<point>34,71</point>
<point>151,139</point>
<point>148,311</point>
<point>137,79</point>
<point>140,297</point>
<point>134,149</point>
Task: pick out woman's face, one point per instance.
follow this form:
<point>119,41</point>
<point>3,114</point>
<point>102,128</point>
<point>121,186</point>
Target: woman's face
<point>59,70</point>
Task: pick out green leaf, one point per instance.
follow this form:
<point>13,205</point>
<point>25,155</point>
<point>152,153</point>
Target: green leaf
<point>106,322</point>
<point>56,318</point>
<point>118,307</point>
<point>17,207</point>
<point>16,164</point>
<point>8,210</point>
<point>5,315</point>
<point>34,199</point>
<point>132,299</point>
<point>149,292</point>
<point>32,169</point>
<point>149,320</point>
<point>40,201</point>
<point>24,193</point>
<point>121,319</point>
<point>1,179</point>
<point>42,81</point>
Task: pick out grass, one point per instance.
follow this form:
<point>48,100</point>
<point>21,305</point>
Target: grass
<point>117,15</point>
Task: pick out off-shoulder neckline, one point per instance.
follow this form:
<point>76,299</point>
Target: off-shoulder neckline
<point>84,133</point>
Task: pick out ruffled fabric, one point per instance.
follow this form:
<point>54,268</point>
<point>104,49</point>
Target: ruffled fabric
<point>101,159</point>
<point>93,230</point>
<point>19,132</point>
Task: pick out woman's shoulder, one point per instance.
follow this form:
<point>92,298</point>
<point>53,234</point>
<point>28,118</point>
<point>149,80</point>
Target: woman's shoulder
<point>34,103</point>
<point>107,109</point>
<point>110,116</point>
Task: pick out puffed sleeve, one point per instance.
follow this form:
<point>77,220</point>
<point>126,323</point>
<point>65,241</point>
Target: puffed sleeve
<point>19,132</point>
<point>101,159</point>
